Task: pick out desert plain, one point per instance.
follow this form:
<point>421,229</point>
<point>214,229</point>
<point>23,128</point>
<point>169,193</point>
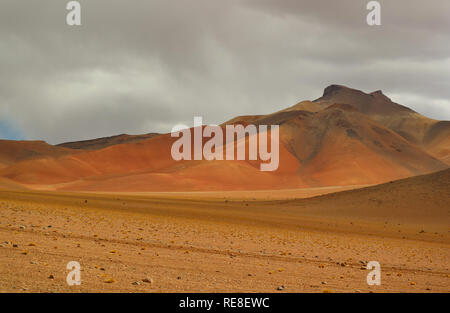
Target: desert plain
<point>228,242</point>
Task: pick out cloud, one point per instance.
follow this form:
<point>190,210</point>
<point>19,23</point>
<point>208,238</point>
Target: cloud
<point>144,66</point>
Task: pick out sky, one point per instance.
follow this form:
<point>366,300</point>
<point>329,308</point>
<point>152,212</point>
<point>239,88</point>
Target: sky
<point>137,66</point>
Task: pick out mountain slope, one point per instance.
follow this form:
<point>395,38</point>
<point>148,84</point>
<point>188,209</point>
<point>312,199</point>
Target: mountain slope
<point>411,125</point>
<point>100,143</point>
<point>346,137</point>
<point>420,200</point>
<point>15,151</point>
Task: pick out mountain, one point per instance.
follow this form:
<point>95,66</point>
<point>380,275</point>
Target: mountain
<point>100,143</point>
<point>345,137</point>
<point>429,134</point>
<point>15,151</point>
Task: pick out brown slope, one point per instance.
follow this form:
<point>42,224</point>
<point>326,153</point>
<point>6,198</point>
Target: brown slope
<point>15,151</point>
<point>437,141</point>
<point>411,125</point>
<point>337,146</point>
<point>7,184</point>
<point>421,200</point>
<point>118,159</point>
<point>198,175</point>
<point>340,146</point>
<point>148,165</point>
<point>100,143</point>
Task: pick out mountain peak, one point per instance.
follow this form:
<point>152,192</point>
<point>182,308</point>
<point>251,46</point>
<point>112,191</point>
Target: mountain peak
<point>380,94</point>
<point>334,89</point>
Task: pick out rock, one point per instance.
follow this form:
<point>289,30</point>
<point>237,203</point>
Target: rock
<point>136,283</point>
<point>15,246</point>
<point>324,283</point>
<point>281,287</point>
<point>148,280</point>
<point>51,277</point>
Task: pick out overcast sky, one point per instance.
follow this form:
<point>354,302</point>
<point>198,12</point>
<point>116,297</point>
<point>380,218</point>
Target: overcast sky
<point>138,66</point>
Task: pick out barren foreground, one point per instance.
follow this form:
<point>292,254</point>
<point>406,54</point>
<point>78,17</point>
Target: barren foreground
<point>145,243</point>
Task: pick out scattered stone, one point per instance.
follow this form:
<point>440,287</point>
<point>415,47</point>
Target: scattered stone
<point>15,246</point>
<point>148,280</point>
<point>324,283</point>
<point>51,277</point>
<point>136,283</point>
<point>179,277</point>
<point>281,287</point>
<point>421,232</point>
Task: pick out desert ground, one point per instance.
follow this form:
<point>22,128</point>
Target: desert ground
<point>229,242</point>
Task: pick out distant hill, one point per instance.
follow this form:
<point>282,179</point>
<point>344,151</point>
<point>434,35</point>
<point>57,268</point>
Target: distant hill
<point>100,143</point>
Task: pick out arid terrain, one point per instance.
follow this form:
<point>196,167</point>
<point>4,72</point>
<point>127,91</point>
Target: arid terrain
<point>221,242</point>
<point>360,179</point>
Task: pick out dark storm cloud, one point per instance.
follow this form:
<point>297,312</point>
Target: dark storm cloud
<point>143,66</point>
